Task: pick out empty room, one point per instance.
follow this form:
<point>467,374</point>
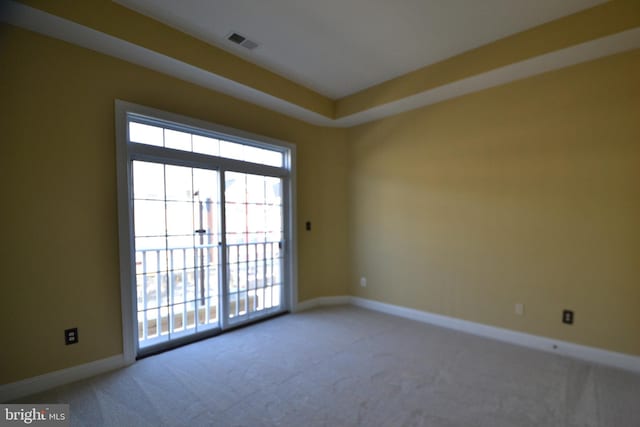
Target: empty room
<point>320,213</point>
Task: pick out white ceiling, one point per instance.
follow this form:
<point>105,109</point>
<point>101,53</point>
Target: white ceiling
<point>338,47</point>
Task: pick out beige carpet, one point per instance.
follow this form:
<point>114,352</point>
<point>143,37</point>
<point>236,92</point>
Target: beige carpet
<point>345,366</point>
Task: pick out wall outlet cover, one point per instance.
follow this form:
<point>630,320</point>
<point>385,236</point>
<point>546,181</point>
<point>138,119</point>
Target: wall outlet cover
<point>567,317</point>
<point>519,309</point>
<point>71,336</point>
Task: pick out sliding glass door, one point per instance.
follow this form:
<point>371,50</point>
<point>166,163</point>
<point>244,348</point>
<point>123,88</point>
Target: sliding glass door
<point>205,236</point>
<point>254,241</point>
<point>177,251</point>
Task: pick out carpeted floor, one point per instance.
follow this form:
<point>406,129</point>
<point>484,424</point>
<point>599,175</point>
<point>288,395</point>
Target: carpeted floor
<point>346,366</point>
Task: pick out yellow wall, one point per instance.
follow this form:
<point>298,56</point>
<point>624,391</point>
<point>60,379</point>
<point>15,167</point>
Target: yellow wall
<point>59,251</point>
<point>526,193</point>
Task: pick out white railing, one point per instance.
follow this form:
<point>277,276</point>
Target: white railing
<point>178,288</point>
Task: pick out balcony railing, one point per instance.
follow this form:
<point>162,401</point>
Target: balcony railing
<point>178,289</point>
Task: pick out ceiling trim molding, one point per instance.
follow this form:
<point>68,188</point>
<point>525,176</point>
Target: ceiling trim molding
<point>44,23</point>
<point>583,52</point>
<point>50,25</point>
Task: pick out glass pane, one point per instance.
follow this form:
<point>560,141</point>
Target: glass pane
<point>178,314</point>
<point>253,154</point>
<point>150,260</point>
<point>180,218</point>
<point>191,324</point>
<point>273,158</point>
<point>145,134</point>
<point>181,258</point>
<point>277,279</point>
<point>274,236</point>
<point>273,190</point>
<point>235,190</point>
<point>164,321</point>
<point>149,289</point>
<point>151,317</point>
<point>145,283</point>
<point>262,156</point>
<point>179,282</point>
<point>211,307</point>
<point>177,140</point>
<point>189,278</point>
<point>149,218</point>
<point>179,183</point>
<point>206,189</point>
<point>150,243</point>
<point>247,237</point>
<point>204,145</point>
<point>178,242</point>
<point>212,280</point>
<point>275,295</point>
<point>236,218</point>
<point>273,218</point>
<point>257,219</point>
<point>255,189</point>
<point>205,185</point>
<point>231,150</point>
<point>242,301</point>
<point>148,180</point>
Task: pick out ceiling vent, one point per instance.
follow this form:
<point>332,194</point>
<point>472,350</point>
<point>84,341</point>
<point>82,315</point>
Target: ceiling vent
<point>242,41</point>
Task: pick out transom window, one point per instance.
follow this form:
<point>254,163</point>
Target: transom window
<point>145,131</point>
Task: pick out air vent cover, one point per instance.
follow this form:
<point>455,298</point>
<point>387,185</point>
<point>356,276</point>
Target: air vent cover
<point>242,41</point>
<point>249,44</point>
<point>236,38</point>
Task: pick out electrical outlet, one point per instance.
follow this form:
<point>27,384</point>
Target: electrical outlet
<point>519,309</point>
<point>71,336</point>
<point>567,317</point>
<point>363,282</point>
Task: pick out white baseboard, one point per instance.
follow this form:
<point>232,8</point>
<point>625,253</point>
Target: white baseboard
<point>29,386</point>
<point>590,354</point>
<point>43,382</point>
<point>322,301</point>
